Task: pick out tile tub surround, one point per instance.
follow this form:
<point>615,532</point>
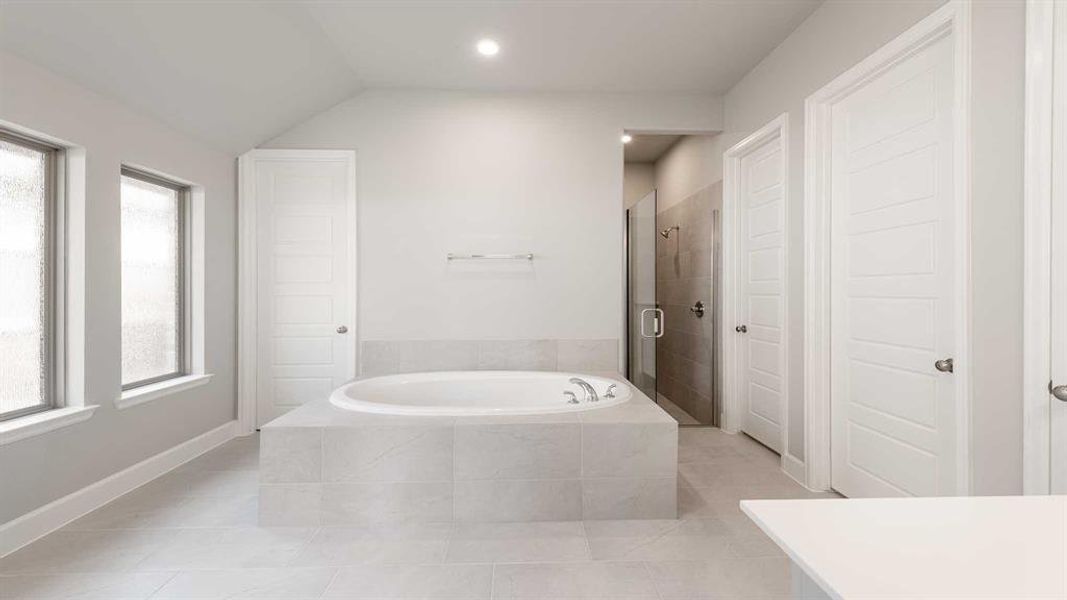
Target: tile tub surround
<point>685,273</point>
<point>325,466</point>
<point>388,357</point>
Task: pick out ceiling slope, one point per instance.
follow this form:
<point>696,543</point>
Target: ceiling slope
<point>236,73</point>
<point>229,73</point>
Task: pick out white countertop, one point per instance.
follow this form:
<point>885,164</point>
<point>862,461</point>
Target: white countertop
<point>976,547</point>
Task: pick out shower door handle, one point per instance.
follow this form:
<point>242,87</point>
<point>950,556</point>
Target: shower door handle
<point>657,323</point>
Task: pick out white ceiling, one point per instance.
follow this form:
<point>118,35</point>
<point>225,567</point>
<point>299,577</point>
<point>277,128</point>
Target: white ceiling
<point>648,148</point>
<point>236,73</point>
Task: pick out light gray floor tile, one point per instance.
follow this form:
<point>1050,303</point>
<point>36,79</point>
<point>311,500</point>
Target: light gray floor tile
<point>574,580</point>
<point>228,548</point>
<point>84,586</point>
<point>732,474</point>
<point>688,453</point>
<point>134,511</point>
<point>762,578</point>
<point>241,454</point>
<point>230,584</point>
<point>417,543</point>
<point>203,483</point>
<point>665,539</point>
<point>754,545</point>
<point>693,505</point>
<point>413,581</point>
<point>206,511</point>
<point>518,542</point>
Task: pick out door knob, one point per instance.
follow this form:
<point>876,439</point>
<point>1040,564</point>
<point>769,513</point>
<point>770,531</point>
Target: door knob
<point>1059,391</point>
<point>945,365</point>
<point>741,329</point>
<point>342,329</point>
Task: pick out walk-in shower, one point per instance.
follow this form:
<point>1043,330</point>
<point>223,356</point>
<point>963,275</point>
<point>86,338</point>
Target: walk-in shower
<point>673,304</point>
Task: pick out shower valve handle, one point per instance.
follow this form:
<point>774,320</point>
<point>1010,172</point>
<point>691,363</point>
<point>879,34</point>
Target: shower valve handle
<point>697,309</point>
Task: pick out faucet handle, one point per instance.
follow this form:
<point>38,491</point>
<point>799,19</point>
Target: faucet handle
<point>571,397</point>
<point>611,391</point>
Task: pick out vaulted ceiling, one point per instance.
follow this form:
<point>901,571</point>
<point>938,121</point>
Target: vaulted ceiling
<point>236,73</point>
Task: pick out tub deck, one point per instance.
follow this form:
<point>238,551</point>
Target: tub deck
<point>323,465</point>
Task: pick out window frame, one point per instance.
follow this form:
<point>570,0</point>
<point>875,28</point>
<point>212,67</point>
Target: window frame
<point>183,192</point>
<point>53,255</point>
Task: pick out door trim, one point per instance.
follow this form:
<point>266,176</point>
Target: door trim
<point>247,257</point>
<point>1037,265</point>
<point>733,411</point>
<point>952,19</point>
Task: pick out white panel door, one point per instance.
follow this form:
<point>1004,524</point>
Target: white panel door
<point>761,302</point>
<point>892,301</point>
<point>306,335</point>
<point>1058,287</point>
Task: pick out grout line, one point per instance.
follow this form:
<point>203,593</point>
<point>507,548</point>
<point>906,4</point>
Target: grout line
<point>588,546</point>
<point>652,579</point>
<point>163,585</point>
<point>333,579</point>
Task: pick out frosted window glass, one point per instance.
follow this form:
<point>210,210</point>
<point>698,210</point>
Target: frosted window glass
<point>24,277</point>
<point>151,281</point>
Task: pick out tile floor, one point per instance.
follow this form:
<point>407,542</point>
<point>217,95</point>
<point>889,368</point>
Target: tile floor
<point>192,534</point>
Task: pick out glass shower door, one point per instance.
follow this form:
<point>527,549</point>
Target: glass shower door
<point>645,320</point>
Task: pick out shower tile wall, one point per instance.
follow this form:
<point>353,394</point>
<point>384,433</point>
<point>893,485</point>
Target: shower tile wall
<point>684,274</point>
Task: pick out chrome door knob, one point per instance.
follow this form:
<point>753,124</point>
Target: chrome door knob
<point>1059,391</point>
<point>741,329</point>
<point>945,365</point>
<point>342,329</point>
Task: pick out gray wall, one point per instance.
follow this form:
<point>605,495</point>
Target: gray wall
<point>835,37</point>
<point>41,469</point>
<point>998,82</point>
<point>684,274</point>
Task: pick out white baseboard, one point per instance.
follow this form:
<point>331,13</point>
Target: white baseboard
<point>795,469</point>
<point>50,517</point>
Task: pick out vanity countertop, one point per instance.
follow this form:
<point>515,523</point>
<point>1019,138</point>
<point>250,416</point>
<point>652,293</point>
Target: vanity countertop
<point>958,547</point>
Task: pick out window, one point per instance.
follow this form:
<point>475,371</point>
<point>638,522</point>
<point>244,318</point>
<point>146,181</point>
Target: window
<point>27,254</point>
<point>153,279</point>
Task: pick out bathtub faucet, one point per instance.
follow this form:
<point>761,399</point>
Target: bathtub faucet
<point>590,392</point>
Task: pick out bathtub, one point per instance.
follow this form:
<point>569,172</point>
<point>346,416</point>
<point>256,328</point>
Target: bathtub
<point>470,393</point>
<point>468,447</point>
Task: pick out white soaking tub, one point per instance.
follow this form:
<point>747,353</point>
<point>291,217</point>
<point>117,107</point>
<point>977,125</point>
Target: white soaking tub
<point>463,393</point>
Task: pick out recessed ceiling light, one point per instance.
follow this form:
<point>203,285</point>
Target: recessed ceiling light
<point>627,138</point>
<point>488,47</point>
